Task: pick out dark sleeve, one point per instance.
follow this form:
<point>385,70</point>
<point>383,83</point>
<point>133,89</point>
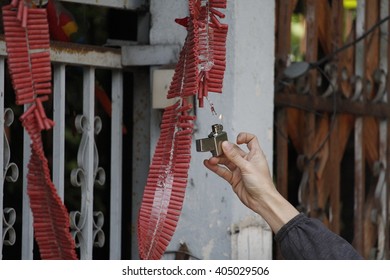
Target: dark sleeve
<point>304,238</point>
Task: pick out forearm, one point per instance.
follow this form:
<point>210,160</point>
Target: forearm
<point>299,236</point>
<point>275,209</point>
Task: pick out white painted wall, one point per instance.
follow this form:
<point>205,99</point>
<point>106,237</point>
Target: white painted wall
<point>211,210</point>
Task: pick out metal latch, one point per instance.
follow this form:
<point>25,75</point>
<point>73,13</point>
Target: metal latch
<point>214,141</point>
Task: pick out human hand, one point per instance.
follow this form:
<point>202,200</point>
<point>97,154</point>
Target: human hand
<point>246,172</point>
<point>250,178</point>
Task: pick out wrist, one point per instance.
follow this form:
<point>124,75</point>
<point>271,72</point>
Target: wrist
<point>275,209</point>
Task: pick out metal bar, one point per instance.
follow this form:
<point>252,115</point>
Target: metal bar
<point>141,147</point>
<point>2,77</point>
<point>150,55</point>
<point>110,58</point>
<point>334,179</point>
<point>359,196</point>
<point>309,121</point>
<point>88,160</point>
<point>85,55</point>
<point>119,4</point>
<point>387,195</point>
<point>3,49</point>
<point>337,24</point>
<point>27,218</point>
<point>283,45</point>
<point>116,165</point>
<point>82,55</point>
<point>59,128</point>
<point>141,133</point>
<point>335,155</point>
<point>387,192</point>
<point>359,185</point>
<point>282,153</point>
<point>383,136</point>
<point>284,13</point>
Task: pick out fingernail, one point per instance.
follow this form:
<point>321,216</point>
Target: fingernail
<point>226,146</point>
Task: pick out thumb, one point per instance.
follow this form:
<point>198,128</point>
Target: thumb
<point>232,153</point>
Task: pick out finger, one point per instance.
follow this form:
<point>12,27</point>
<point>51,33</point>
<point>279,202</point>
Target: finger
<point>215,160</point>
<point>234,154</point>
<point>222,160</point>
<point>249,139</point>
<point>222,172</point>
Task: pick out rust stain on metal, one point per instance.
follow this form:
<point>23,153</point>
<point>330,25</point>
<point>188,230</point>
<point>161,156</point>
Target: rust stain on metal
<point>81,48</point>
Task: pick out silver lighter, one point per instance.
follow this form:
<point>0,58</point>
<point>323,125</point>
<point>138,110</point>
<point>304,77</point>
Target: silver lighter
<point>213,143</point>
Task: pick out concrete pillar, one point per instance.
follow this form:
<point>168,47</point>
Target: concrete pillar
<point>214,224</point>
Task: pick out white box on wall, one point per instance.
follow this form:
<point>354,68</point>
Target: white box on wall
<point>161,80</point>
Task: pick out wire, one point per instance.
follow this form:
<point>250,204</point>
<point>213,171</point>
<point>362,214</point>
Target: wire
<point>317,65</point>
<point>298,69</point>
<point>357,40</point>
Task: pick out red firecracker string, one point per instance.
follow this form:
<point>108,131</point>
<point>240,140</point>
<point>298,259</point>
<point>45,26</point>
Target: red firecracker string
<point>28,47</point>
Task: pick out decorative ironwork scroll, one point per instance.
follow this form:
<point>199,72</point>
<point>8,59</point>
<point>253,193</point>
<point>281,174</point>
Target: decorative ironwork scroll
<point>80,221</point>
<point>10,168</point>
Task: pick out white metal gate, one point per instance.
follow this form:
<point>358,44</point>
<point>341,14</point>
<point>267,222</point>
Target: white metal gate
<point>86,222</point>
